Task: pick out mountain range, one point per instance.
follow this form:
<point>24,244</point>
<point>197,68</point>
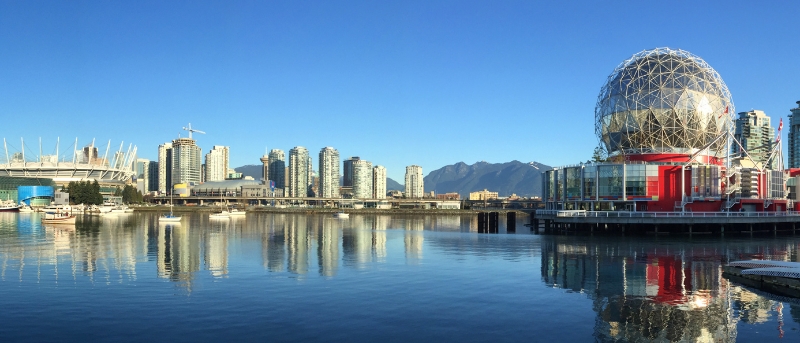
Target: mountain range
<point>515,177</point>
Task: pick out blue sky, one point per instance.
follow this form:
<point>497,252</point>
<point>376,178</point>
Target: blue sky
<point>395,82</point>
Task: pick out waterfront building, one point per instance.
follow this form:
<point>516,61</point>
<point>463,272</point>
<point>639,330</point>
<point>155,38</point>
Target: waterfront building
<point>152,171</point>
<point>754,132</point>
<point>794,137</point>
<point>142,175</point>
<point>186,161</point>
<point>164,168</point>
<point>277,168</point>
<point>217,163</point>
<point>329,173</point>
<point>347,177</point>
<point>76,164</point>
<point>483,195</point>
<point>362,179</point>
<point>450,196</point>
<point>663,117</point>
<point>265,168</point>
<point>379,182</point>
<point>298,172</point>
<point>415,187</point>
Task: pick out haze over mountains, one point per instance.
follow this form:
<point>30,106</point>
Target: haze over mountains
<point>515,177</point>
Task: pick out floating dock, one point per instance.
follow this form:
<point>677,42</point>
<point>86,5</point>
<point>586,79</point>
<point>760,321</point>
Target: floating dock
<point>777,277</point>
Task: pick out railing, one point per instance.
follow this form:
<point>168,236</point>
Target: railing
<point>630,214</point>
<point>571,213</point>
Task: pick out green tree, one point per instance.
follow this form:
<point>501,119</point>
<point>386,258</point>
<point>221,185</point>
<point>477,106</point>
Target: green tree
<point>94,194</point>
<point>599,154</point>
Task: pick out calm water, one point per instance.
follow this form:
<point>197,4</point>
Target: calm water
<point>373,278</point>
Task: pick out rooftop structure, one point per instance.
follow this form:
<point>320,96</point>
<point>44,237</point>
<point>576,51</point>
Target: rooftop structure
<point>663,101</point>
<point>87,163</point>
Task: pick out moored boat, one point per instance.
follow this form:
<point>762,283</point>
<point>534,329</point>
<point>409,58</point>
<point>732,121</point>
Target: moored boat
<point>25,208</point>
<point>236,213</point>
<point>58,218</point>
<point>341,215</point>
<point>219,215</point>
<point>9,206</point>
<point>169,218</point>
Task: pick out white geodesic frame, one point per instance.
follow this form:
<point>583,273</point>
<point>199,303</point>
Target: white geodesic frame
<point>663,101</point>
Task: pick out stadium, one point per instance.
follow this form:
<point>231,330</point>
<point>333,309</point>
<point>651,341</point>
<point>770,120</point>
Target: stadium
<point>665,120</point>
<point>110,168</point>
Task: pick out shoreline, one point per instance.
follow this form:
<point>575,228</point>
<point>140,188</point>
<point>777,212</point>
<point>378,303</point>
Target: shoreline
<point>202,209</point>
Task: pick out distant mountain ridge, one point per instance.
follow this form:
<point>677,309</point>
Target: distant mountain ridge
<point>515,177</point>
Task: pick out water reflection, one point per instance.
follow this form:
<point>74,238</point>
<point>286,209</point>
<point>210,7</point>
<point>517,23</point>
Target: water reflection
<point>640,290</point>
<point>663,290</point>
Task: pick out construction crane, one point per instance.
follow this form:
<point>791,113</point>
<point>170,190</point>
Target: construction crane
<point>190,129</point>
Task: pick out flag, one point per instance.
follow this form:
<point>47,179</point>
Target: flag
<point>780,127</point>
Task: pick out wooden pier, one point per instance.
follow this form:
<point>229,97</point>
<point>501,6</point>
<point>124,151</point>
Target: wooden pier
<point>692,223</point>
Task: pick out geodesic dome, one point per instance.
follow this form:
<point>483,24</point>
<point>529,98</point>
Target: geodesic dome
<point>663,101</point>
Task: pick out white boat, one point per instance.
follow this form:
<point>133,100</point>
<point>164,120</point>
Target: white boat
<point>107,207</point>
<point>121,209</point>
<point>219,215</point>
<point>236,213</point>
<point>341,215</point>
<point>9,206</point>
<point>58,218</point>
<point>169,218</point>
<point>56,209</point>
<point>24,208</point>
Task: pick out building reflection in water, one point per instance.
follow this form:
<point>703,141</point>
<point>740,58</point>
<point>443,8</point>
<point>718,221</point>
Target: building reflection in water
<point>413,238</point>
<point>640,291</point>
<point>110,247</point>
<point>646,292</point>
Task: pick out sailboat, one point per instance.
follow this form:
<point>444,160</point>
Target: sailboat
<point>169,218</point>
<point>223,214</point>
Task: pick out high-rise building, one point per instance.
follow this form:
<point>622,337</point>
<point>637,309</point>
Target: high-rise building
<point>298,172</point>
<point>152,171</point>
<point>347,177</point>
<point>414,182</point>
<point>329,173</point>
<point>142,175</point>
<point>362,179</point>
<point>794,137</point>
<point>165,168</point>
<point>217,163</point>
<point>265,168</point>
<point>379,182</point>
<point>310,191</point>
<point>186,161</point>
<point>277,168</point>
<point>753,130</point>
